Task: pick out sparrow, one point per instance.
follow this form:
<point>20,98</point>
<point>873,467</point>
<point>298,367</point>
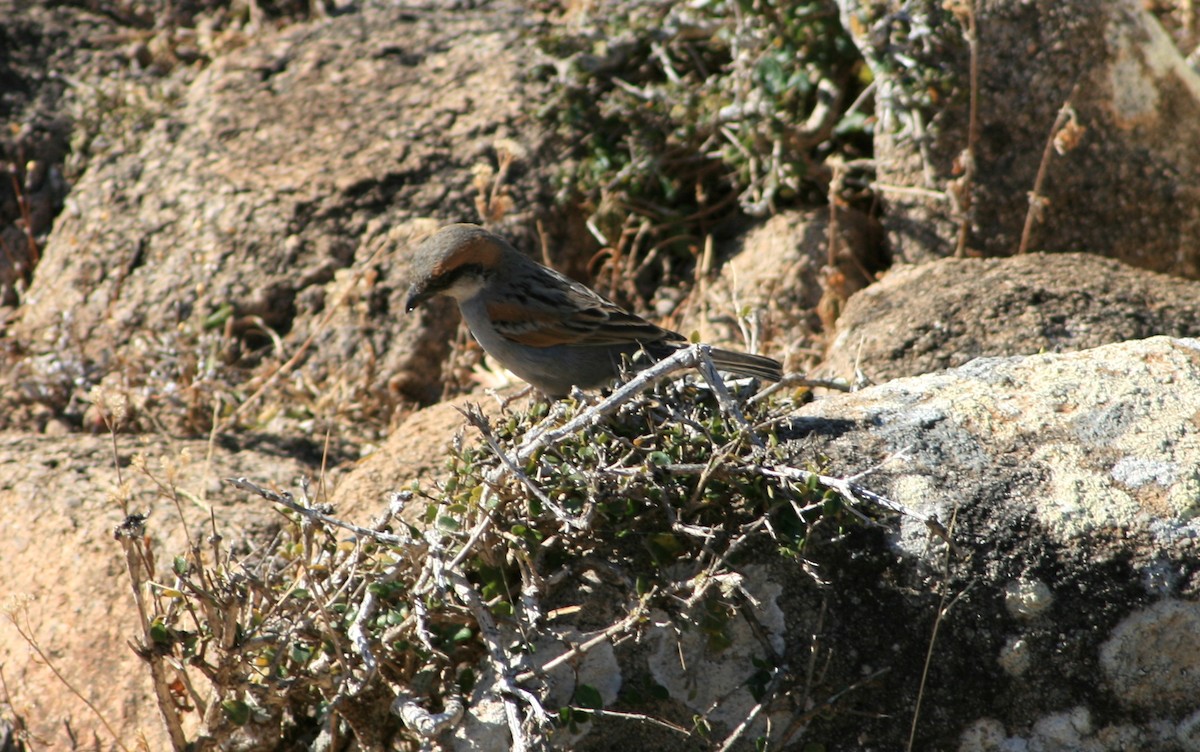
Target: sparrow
<point>547,329</point>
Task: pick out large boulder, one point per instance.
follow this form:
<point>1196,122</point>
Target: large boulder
<point>1118,175</point>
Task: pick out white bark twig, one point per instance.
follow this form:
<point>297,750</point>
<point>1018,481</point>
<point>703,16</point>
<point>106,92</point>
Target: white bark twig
<point>359,633</point>
<point>494,642</point>
<point>428,725</point>
<point>777,675</point>
<point>509,465</point>
<point>318,513</point>
<point>688,357</point>
<point>626,624</point>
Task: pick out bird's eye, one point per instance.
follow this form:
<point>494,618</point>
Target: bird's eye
<point>450,277</point>
<point>464,271</point>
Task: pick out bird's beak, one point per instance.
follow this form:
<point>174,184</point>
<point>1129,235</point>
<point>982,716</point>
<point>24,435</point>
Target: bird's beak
<point>416,296</point>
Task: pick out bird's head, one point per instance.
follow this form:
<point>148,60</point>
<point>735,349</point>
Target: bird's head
<point>456,261</point>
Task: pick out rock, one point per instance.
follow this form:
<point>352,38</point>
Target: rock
<point>779,278</point>
<point>284,163</point>
<point>944,314</point>
<point>1026,459</point>
<point>60,498</point>
<point>1121,180</point>
<point>1150,658</point>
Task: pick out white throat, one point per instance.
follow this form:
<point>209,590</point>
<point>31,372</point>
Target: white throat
<point>465,287</point>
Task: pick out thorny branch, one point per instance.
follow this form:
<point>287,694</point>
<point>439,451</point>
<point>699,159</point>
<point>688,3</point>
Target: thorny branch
<point>437,562</point>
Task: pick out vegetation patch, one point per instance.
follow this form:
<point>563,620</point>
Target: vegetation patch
<point>680,116</point>
<point>661,494</point>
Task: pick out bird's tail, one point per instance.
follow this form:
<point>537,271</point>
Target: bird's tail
<point>745,364</point>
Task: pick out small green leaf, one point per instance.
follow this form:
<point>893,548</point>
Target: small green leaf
<point>301,653</point>
<point>667,543</point>
<point>159,633</point>
<point>236,711</point>
<point>588,696</point>
<point>502,608</point>
<point>218,318</point>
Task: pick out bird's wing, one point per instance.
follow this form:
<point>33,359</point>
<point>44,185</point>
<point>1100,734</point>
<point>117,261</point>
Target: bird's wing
<point>560,311</point>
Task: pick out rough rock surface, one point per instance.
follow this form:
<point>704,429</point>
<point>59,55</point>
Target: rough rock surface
<point>39,43</point>
<point>60,499</point>
<point>282,165</point>
<point>1123,180</point>
<point>1070,482</point>
<point>927,317</point>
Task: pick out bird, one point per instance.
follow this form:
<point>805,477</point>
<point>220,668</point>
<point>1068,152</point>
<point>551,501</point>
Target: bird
<point>551,331</point>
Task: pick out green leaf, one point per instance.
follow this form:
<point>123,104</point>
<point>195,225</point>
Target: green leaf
<point>218,318</point>
<point>831,504</point>
<point>588,696</point>
<point>301,653</point>
<point>236,711</point>
<point>159,633</point>
<point>667,543</point>
<point>502,608</point>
